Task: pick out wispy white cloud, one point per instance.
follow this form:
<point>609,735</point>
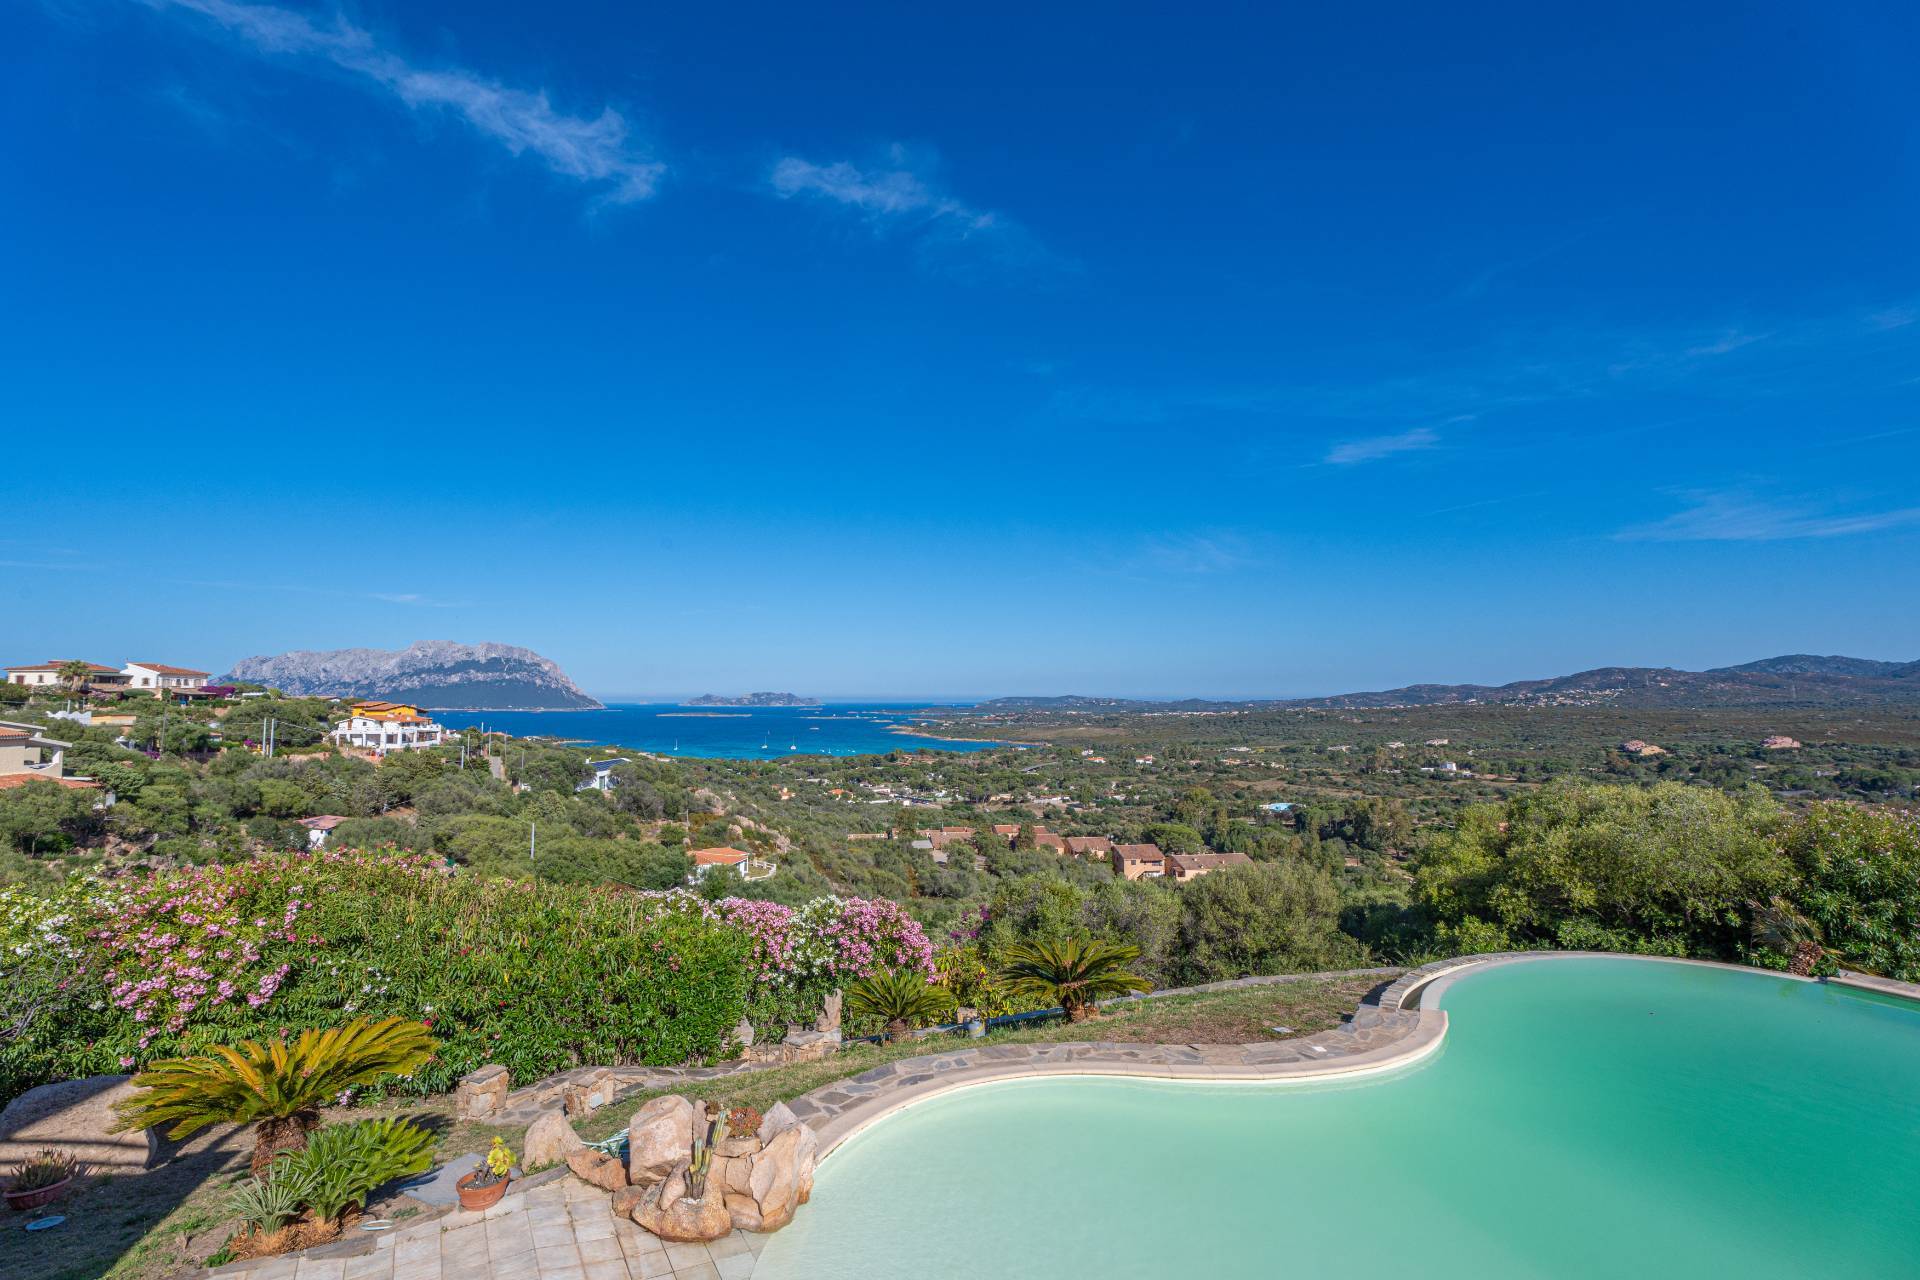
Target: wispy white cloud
<point>1194,553</point>
<point>901,192</point>
<point>597,149</point>
<point>1737,516</point>
<point>1373,448</point>
<point>879,192</point>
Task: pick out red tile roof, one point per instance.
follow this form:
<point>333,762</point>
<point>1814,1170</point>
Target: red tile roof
<point>166,670</point>
<point>8,781</point>
<point>1140,852</point>
<point>722,856</point>
<point>58,663</point>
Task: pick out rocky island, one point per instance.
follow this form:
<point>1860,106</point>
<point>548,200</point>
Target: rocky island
<point>751,700</point>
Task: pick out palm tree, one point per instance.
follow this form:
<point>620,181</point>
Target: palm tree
<point>1073,973</point>
<point>76,673</point>
<point>278,1089</point>
<point>901,999</point>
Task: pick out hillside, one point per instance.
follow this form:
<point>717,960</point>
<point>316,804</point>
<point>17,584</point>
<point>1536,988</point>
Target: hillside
<point>440,674</point>
<point>1799,680</point>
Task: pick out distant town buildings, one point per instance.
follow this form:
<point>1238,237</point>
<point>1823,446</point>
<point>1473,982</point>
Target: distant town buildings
<point>381,727</point>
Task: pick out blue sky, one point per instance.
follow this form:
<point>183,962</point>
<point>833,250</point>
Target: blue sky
<point>1263,349</point>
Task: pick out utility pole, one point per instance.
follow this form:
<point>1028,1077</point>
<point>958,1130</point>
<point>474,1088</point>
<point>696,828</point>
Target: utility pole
<point>533,838</point>
<point>163,727</point>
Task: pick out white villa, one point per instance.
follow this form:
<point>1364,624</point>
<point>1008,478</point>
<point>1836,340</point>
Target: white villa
<point>161,678</point>
<point>386,726</point>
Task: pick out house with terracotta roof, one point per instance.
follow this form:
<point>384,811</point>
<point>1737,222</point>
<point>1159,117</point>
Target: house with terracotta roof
<point>1182,867</point>
<point>48,673</point>
<point>24,752</point>
<point>381,727</point>
<point>705,860</point>
<point>1089,847</point>
<point>161,678</point>
<point>1138,861</point>
<point>1045,839</point>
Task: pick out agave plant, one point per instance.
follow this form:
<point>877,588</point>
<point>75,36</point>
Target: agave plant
<point>341,1164</point>
<point>900,999</point>
<point>1073,973</point>
<point>265,1205</point>
<point>276,1087</point>
<point>44,1168</point>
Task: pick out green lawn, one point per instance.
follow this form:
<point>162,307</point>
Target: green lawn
<point>1223,1017</point>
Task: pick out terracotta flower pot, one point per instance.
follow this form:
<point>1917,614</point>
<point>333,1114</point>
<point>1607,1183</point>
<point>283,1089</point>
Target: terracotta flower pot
<point>478,1198</point>
<point>22,1200</point>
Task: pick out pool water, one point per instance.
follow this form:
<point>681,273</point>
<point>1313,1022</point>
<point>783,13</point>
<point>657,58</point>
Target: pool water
<point>1584,1118</point>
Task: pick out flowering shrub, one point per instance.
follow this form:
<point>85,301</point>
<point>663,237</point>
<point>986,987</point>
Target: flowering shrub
<point>537,976</point>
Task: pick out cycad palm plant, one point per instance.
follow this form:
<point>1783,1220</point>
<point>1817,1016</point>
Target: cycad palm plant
<point>1073,973</point>
<point>277,1087</point>
<point>899,999</point>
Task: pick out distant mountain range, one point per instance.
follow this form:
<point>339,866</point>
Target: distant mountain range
<point>440,674</point>
<point>1799,679</point>
<point>751,700</point>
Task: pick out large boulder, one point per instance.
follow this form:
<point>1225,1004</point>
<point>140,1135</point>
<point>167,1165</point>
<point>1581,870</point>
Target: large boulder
<point>76,1117</point>
<point>744,1212</point>
<point>659,1136</point>
<point>606,1172</point>
<point>668,1212</point>
<point>549,1141</point>
<point>782,1176</point>
<point>778,1118</point>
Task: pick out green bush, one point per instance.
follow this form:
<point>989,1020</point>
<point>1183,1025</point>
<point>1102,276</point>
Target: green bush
<point>1668,868</point>
<point>1860,885</point>
<point>342,1163</point>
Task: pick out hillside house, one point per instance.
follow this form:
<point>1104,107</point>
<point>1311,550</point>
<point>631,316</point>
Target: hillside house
<point>1045,839</point>
<point>601,771</point>
<point>24,752</point>
<point>381,727</point>
<point>48,674</point>
<point>159,678</point>
<point>1779,742</point>
<point>1090,847</point>
<point>320,827</point>
<point>1182,867</point>
<point>1641,750</point>
<point>1138,861</point>
<point>705,860</point>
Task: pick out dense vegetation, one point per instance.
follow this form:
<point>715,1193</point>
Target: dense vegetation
<point>524,915</point>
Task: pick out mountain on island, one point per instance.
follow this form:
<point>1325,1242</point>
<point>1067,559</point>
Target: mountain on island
<point>751,700</point>
<point>1798,679</point>
<point>439,674</point>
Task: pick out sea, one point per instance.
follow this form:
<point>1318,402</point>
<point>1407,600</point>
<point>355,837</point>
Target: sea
<point>723,733</point>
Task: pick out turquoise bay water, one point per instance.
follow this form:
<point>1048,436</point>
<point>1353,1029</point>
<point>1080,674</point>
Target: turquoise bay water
<point>1585,1118</point>
<point>728,733</point>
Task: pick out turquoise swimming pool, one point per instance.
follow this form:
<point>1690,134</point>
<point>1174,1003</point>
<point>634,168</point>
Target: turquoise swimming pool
<point>1586,1117</point>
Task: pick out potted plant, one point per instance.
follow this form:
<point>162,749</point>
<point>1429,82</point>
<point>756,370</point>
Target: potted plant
<point>483,1188</point>
<point>40,1179</point>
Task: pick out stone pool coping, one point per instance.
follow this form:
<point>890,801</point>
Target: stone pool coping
<point>1386,1031</point>
<point>1374,1038</point>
